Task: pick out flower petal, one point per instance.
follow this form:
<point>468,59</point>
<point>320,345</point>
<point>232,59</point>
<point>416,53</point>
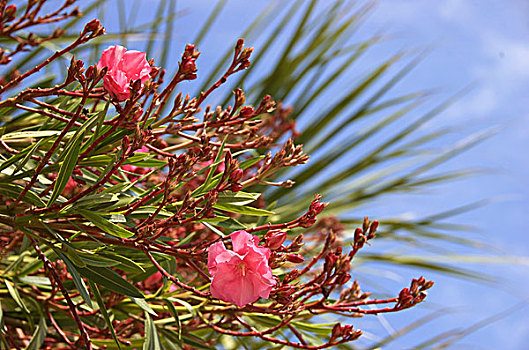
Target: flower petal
<point>111,57</point>
<point>241,241</point>
<point>134,63</point>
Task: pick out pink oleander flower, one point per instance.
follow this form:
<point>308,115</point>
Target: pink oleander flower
<point>123,66</point>
<point>241,275</point>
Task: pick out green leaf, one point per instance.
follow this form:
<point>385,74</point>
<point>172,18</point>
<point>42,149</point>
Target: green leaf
<point>28,155</point>
<point>185,304</point>
<point>104,224</point>
<point>110,279</point>
<point>78,281</point>
<point>240,209</point>
<point>237,198</point>
<point>208,184</point>
<point>30,134</point>
<point>66,169</point>
<point>13,190</point>
<point>174,313</point>
<point>124,261</point>
<point>38,336</point>
<point>152,339</point>
<point>104,311</point>
<point>16,297</point>
<point>143,305</point>
<point>36,280</point>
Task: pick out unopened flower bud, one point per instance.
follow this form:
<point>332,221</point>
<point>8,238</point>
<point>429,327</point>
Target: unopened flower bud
<point>291,276</point>
<point>246,53</point>
<point>246,112</point>
<point>330,261</point>
<point>374,226</point>
<point>188,66</point>
<point>420,297</point>
<point>427,285</point>
<point>318,207</point>
<point>295,258</point>
<point>236,175</point>
<point>90,72</point>
<point>343,279</point>
<point>136,85</point>
<point>276,240</point>
<point>235,187</point>
<point>358,234</point>
<point>239,45</point>
<point>189,50</point>
<point>336,331</point>
<point>9,13</point>
<point>92,26</point>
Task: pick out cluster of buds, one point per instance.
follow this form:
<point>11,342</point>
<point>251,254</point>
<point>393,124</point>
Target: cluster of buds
<point>8,13</point>
<point>187,66</point>
<point>353,293</point>
<point>92,30</point>
<point>310,217</point>
<point>409,297</point>
<point>364,234</point>
<point>242,55</point>
<point>347,332</point>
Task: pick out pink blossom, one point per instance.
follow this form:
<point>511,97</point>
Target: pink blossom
<point>241,275</point>
<point>123,66</point>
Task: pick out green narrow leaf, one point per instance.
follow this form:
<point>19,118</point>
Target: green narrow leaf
<point>152,339</point>
<point>104,224</point>
<point>28,155</point>
<point>237,198</point>
<point>99,118</point>
<point>111,280</point>
<point>185,304</point>
<point>142,303</point>
<point>38,336</point>
<point>240,209</point>
<point>30,134</point>
<point>174,313</point>
<point>104,311</point>
<point>66,169</point>
<point>212,228</point>
<point>13,190</point>
<point>124,261</point>
<point>77,280</point>
<point>36,280</point>
<point>16,297</point>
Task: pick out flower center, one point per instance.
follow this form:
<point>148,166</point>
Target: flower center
<point>242,267</point>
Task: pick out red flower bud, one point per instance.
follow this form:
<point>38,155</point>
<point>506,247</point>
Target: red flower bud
<point>9,13</point>
<point>343,279</point>
<point>246,112</point>
<point>189,66</point>
<point>295,258</point>
<point>318,207</point>
<point>236,175</point>
<point>235,187</point>
<point>336,331</point>
<point>291,276</point>
<point>92,26</point>
<point>276,240</point>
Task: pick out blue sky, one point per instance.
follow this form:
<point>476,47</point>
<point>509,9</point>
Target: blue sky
<point>483,44</point>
